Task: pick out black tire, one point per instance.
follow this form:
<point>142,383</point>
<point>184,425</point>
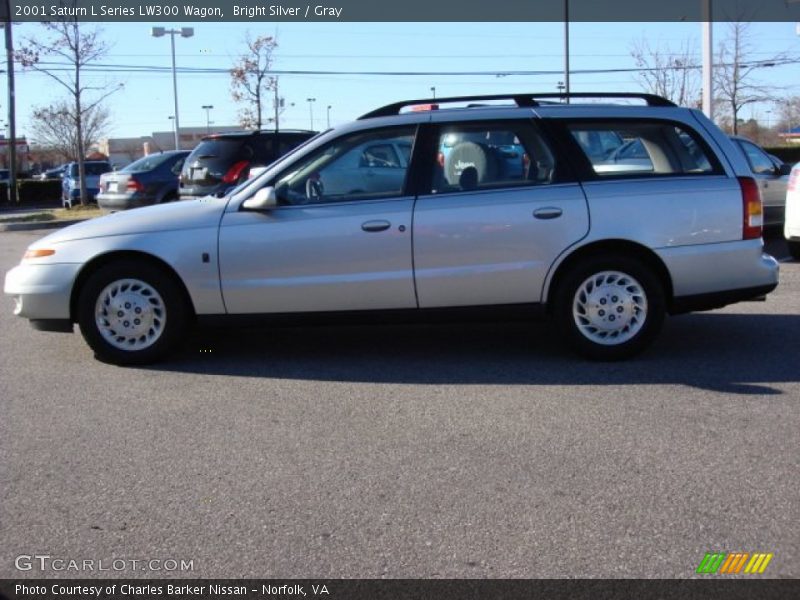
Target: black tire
<point>171,197</point>
<point>164,313</point>
<point>643,319</point>
<point>794,249</point>
<point>469,154</point>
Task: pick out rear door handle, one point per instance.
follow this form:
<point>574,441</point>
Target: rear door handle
<point>549,212</point>
<point>372,226</point>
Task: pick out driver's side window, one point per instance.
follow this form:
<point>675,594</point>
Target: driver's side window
<point>348,169</point>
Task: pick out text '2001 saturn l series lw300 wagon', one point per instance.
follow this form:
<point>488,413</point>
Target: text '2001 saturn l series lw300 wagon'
<point>516,201</point>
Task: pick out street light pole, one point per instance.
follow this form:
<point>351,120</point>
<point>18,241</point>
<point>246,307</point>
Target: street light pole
<point>329,116</point>
<point>311,110</point>
<point>186,32</point>
<point>207,108</point>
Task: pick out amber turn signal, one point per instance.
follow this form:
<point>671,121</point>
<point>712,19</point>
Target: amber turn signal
<point>39,253</point>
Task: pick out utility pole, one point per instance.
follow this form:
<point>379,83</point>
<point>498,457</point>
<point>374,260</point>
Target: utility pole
<point>12,121</point>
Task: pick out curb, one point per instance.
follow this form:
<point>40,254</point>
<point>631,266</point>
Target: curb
<point>40,225</point>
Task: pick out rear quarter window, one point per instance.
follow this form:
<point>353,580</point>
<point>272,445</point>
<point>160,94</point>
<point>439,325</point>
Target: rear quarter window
<point>638,148</point>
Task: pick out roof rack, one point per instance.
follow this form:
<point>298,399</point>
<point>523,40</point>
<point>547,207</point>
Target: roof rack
<point>521,100</point>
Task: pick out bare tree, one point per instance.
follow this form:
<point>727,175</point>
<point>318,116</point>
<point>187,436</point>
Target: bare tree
<point>667,73</point>
<point>734,74</point>
<point>250,79</point>
<point>69,41</point>
<point>54,127</point>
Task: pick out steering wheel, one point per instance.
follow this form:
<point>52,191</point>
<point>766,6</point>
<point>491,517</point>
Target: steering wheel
<point>314,188</point>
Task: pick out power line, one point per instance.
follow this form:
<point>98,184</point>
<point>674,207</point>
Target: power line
<point>123,68</point>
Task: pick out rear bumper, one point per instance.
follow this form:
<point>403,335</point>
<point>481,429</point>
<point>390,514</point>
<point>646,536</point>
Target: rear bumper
<point>193,192</point>
<point>714,300</point>
<point>123,201</point>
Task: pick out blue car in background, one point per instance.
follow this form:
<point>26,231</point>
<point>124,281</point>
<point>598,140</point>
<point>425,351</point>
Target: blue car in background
<point>152,179</point>
<point>70,183</point>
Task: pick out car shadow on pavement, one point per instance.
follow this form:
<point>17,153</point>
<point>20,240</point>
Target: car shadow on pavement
<point>740,354</point>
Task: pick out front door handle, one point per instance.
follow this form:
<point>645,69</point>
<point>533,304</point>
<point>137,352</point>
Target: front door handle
<point>549,212</point>
<point>372,226</point>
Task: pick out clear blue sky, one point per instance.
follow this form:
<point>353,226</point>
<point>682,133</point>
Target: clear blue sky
<point>146,101</point>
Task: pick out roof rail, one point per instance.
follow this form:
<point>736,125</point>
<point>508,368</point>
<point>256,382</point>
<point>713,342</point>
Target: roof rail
<point>520,100</point>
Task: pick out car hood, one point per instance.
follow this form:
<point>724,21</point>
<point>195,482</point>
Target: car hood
<point>187,214</point>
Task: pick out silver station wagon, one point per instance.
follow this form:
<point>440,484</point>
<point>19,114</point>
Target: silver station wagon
<point>513,203</point>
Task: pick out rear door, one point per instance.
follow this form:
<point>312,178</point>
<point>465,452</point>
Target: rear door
<point>487,234</point>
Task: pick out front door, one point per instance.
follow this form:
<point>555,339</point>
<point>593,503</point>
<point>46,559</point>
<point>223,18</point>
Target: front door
<point>327,246</point>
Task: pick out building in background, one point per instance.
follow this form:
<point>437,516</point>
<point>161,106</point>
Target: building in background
<point>123,151</point>
<point>23,154</point>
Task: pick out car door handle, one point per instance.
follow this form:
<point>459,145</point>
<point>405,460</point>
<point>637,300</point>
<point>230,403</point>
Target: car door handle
<point>549,212</point>
<point>372,226</point>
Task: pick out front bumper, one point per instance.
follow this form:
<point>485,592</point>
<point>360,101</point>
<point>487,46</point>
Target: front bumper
<point>42,291</point>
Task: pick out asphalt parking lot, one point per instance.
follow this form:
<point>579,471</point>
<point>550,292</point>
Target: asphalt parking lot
<point>478,450</point>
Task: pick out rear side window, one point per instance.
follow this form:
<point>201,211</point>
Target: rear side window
<point>760,163</point>
<point>641,149</point>
<point>477,156</point>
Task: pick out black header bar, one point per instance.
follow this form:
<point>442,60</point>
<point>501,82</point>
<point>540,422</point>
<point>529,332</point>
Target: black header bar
<point>274,11</point>
<point>712,588</point>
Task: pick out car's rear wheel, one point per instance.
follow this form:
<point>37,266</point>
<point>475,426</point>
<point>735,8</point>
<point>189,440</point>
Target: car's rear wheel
<point>609,307</point>
<point>794,249</point>
<point>131,313</point>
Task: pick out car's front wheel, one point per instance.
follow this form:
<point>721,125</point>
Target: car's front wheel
<point>131,313</point>
<point>609,307</point>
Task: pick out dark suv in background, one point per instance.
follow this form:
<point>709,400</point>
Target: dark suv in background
<point>222,161</point>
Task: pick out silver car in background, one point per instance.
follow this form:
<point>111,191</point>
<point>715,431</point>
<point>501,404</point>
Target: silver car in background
<point>772,176</point>
<point>545,227</point>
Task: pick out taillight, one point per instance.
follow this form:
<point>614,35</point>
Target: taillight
<point>134,185</point>
<point>752,208</point>
<point>792,185</point>
<point>440,159</point>
<point>233,174</point>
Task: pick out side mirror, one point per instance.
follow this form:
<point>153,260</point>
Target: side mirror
<point>263,199</point>
<point>785,169</point>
